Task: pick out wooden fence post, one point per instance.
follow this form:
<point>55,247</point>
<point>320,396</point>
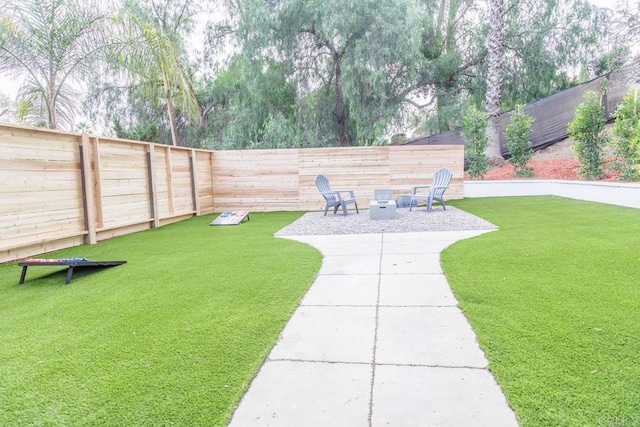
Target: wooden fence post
<point>153,193</point>
<point>97,181</point>
<point>213,181</point>
<point>169,166</point>
<point>194,182</point>
<point>87,190</point>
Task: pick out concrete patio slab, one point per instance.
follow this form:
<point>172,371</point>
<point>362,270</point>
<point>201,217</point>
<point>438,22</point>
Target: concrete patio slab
<point>421,236</point>
<point>410,264</point>
<point>306,394</point>
<point>413,247</point>
<point>429,336</point>
<point>332,334</point>
<point>321,239</point>
<point>416,290</point>
<point>438,397</point>
<point>340,248</point>
<point>339,289</point>
<point>354,264</point>
<point>377,341</point>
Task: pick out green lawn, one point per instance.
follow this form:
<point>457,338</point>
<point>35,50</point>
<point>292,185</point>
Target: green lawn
<point>555,299</point>
<point>173,337</point>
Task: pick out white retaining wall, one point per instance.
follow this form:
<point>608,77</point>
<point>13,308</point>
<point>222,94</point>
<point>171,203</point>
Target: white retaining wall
<point>614,193</point>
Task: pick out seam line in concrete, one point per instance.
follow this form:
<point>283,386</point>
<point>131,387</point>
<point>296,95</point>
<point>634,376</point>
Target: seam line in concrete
<point>330,362</point>
<point>409,365</point>
<point>380,305</point>
<point>375,333</point>
<point>420,306</point>
<point>420,365</point>
<point>386,274</point>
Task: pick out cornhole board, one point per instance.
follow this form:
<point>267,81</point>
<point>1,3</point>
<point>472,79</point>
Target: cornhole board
<point>70,263</point>
<point>231,218</point>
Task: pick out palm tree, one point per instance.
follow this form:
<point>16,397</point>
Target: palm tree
<point>495,59</point>
<point>155,59</point>
<point>50,45</point>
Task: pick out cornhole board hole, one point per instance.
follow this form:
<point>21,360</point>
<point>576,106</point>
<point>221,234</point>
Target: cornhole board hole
<point>231,218</point>
<point>70,263</point>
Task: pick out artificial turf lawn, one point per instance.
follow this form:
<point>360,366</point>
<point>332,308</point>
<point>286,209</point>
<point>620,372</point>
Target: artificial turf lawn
<point>173,337</point>
<point>554,297</point>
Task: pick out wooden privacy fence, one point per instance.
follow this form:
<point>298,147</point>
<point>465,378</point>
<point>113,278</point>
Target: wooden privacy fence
<point>62,189</point>
<point>271,180</point>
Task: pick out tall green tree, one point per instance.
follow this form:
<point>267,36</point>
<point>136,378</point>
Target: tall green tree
<point>252,105</point>
<point>378,63</point>
<point>626,23</point>
<point>51,45</point>
<point>621,44</point>
<point>452,48</point>
<point>356,53</point>
<point>545,41</point>
<point>154,58</point>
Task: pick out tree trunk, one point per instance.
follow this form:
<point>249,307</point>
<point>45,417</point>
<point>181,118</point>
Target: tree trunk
<point>172,120</point>
<point>52,115</point>
<point>172,113</point>
<point>339,110</point>
<point>495,59</point>
<point>51,105</point>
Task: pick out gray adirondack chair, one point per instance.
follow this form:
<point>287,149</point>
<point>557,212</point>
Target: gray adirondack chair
<point>335,198</point>
<point>441,181</point>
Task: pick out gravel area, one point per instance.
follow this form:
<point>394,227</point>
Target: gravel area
<point>452,219</point>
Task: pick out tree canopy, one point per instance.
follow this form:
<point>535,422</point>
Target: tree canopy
<point>52,44</point>
<point>358,55</point>
<point>298,73</point>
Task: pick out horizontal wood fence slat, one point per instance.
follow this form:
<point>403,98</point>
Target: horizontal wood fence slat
<point>62,189</point>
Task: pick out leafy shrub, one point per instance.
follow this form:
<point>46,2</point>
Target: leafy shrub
<point>587,129</point>
<point>474,132</point>
<point>518,132</point>
<point>626,144</point>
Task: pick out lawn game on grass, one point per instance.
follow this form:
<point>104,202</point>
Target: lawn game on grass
<point>70,263</point>
<point>231,218</point>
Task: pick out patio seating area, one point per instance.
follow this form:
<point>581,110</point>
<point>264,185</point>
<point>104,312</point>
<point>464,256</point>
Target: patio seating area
<point>417,220</point>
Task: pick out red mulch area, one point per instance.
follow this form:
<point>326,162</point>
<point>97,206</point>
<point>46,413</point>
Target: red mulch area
<point>566,169</point>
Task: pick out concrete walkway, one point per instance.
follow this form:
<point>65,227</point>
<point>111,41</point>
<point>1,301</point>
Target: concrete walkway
<point>377,341</point>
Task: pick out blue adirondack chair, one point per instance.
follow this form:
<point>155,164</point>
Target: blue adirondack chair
<point>335,199</point>
<point>441,181</point>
